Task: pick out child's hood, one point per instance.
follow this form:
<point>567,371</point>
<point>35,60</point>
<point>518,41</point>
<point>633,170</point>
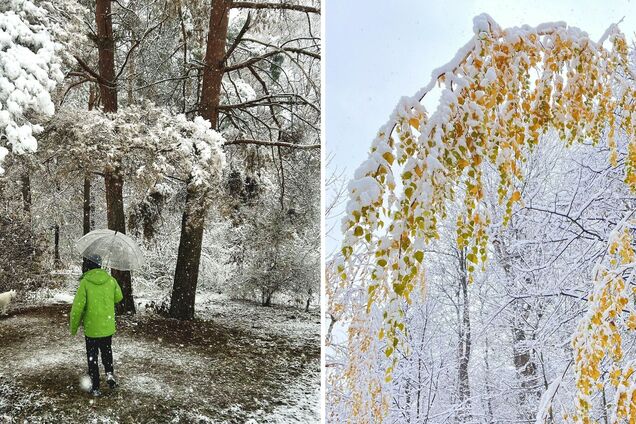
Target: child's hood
<point>97,276</point>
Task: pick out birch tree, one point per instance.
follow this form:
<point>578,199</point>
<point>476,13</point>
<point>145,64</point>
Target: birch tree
<point>492,113</point>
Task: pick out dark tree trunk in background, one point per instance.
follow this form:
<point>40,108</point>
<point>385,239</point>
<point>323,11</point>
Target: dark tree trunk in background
<point>87,214</point>
<point>26,205</point>
<point>112,178</point>
<point>57,261</point>
<point>88,205</point>
<point>26,193</point>
<point>308,303</point>
<point>266,298</point>
<point>117,222</point>
<point>193,222</point>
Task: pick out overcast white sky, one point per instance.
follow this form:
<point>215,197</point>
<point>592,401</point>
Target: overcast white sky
<point>378,51</point>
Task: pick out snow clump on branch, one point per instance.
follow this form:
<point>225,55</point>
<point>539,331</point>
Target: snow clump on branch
<point>30,68</point>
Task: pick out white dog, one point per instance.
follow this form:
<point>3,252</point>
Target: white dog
<point>5,299</point>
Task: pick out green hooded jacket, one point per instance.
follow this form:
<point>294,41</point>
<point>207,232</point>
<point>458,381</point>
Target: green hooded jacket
<point>94,304</point>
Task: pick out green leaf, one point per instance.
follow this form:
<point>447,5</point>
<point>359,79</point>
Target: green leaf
<point>419,256</point>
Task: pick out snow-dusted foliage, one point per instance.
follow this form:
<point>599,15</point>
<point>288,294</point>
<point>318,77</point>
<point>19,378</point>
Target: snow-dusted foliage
<point>144,141</point>
<point>443,182</point>
<point>30,68</point>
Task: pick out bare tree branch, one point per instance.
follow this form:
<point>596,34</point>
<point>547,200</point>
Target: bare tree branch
<point>276,99</point>
<point>238,38</point>
<point>92,73</point>
<point>255,59</point>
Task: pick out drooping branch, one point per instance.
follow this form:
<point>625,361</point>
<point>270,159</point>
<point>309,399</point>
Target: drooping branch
<point>73,85</point>
<point>92,72</point>
<point>275,6</point>
<point>282,47</point>
<point>272,144</point>
<point>271,53</point>
<point>274,99</point>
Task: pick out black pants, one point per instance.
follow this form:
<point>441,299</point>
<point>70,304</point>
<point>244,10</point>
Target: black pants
<point>93,347</point>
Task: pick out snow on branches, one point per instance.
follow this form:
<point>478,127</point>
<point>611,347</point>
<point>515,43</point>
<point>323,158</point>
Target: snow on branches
<point>142,140</point>
<point>30,68</point>
<point>598,336</point>
<point>500,93</point>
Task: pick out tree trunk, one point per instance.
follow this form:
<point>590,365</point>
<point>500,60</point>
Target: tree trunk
<point>188,259</point>
<point>193,222</point>
<point>117,221</point>
<point>464,346</point>
<point>57,261</point>
<point>214,66</point>
<point>113,180</point>
<point>26,205</point>
<point>106,49</point>
<point>26,193</point>
<point>87,214</point>
<point>267,298</point>
<point>308,303</point>
<point>487,377</point>
<point>524,362</point>
<point>87,206</point>
<point>525,365</point>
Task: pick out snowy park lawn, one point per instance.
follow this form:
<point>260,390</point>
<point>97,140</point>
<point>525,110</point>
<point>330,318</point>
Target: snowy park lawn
<point>239,362</point>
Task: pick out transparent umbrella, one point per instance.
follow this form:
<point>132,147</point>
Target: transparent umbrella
<point>111,249</point>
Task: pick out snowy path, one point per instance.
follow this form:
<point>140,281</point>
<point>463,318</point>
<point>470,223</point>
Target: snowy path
<point>261,368</point>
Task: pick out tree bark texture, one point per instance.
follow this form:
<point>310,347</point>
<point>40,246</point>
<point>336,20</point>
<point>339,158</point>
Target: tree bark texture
<point>113,180</point>
<point>87,214</point>
<point>187,270</point>
<point>193,221</point>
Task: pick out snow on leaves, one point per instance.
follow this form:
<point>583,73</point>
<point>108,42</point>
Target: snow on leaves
<point>599,333</point>
<point>503,90</point>
<point>30,68</point>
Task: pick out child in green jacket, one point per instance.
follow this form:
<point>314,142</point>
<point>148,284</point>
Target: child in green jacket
<point>94,308</point>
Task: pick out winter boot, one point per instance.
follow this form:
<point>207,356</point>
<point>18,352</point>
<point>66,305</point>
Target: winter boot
<point>110,379</point>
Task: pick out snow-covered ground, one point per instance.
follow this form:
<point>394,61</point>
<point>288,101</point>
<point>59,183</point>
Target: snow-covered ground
<point>237,363</point>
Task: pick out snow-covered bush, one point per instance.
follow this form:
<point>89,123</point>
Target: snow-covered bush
<point>275,260</point>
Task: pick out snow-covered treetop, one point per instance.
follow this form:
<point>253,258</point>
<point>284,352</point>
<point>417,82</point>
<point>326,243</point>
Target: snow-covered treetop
<point>30,68</point>
<point>500,93</point>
